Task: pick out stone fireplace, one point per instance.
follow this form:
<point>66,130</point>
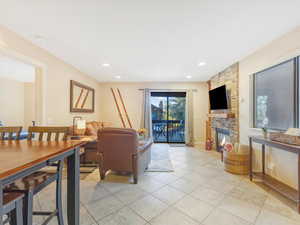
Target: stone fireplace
<point>226,128</point>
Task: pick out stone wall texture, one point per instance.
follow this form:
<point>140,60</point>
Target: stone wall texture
<point>230,78</point>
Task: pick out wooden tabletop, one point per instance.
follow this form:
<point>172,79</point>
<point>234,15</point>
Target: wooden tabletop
<point>19,155</point>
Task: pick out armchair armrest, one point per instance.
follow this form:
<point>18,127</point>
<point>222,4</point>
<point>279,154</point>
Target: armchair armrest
<point>144,145</point>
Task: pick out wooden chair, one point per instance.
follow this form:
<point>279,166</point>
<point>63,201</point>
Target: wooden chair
<point>7,133</point>
<point>34,183</point>
<point>49,131</point>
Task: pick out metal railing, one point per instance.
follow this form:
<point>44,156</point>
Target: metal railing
<point>168,131</point>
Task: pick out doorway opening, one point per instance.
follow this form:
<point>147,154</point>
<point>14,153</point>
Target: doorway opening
<point>168,116</point>
<point>18,94</point>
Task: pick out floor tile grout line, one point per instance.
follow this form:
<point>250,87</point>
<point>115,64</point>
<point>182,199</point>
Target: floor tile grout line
<point>171,204</point>
<point>188,215</point>
<point>88,211</point>
<point>260,211</point>
<point>256,218</point>
<point>282,215</point>
<point>208,215</point>
<point>219,207</point>
<point>138,215</point>
<point>159,213</point>
<point>131,202</point>
<point>164,210</point>
<point>127,206</point>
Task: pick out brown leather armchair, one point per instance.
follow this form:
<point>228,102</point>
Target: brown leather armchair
<point>120,150</point>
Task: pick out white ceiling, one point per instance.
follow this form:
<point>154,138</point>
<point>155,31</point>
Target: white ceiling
<point>16,70</point>
<point>158,40</point>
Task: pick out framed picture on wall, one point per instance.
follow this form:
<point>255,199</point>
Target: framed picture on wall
<point>82,98</point>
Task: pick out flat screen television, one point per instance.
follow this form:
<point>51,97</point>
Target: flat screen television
<point>218,98</point>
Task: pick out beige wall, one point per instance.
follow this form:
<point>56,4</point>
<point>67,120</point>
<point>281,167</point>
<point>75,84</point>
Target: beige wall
<point>277,51</point>
<point>56,78</point>
<point>29,104</point>
<point>133,99</point>
<point>17,100</point>
<point>11,102</point>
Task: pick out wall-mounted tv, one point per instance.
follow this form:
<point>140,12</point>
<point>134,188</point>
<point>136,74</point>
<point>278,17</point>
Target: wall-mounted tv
<point>218,98</point>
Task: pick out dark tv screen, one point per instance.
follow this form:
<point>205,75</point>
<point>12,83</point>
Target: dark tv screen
<point>218,98</point>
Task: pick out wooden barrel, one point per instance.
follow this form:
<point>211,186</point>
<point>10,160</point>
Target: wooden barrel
<point>236,163</point>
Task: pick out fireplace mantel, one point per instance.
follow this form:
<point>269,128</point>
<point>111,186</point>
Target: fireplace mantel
<point>221,115</point>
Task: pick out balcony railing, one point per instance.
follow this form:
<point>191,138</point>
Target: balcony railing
<point>168,131</point>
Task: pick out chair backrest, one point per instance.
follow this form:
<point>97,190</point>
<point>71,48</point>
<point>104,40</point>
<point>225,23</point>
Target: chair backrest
<point>117,145</point>
<point>49,131</point>
<point>10,131</point>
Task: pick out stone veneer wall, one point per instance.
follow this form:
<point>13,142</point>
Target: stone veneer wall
<point>230,78</point>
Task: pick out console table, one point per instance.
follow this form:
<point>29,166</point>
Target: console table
<point>282,188</point>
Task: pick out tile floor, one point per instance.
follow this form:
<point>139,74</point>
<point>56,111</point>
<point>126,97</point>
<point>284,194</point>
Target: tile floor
<point>198,192</point>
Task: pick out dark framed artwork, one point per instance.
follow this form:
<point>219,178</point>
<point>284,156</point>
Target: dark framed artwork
<point>82,98</point>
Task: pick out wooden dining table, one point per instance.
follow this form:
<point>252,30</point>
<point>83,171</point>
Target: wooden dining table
<point>21,158</point>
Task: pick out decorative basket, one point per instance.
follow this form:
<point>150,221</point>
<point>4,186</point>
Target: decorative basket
<point>236,163</point>
<point>284,138</point>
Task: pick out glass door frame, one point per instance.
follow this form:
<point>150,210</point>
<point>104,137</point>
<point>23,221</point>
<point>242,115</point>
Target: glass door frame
<point>167,95</point>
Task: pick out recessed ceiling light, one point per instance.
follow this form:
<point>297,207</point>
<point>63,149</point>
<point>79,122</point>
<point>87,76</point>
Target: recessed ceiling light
<point>201,63</point>
<point>188,76</point>
<point>106,65</point>
<point>118,77</point>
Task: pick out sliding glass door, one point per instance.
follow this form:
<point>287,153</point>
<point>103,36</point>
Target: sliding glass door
<point>168,116</point>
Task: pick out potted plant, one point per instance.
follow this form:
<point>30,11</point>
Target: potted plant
<point>142,133</point>
<point>265,132</point>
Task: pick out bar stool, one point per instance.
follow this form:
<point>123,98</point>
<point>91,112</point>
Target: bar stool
<point>36,182</point>
<point>13,207</point>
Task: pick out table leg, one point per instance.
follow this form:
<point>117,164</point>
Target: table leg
<point>298,203</point>
<point>1,204</point>
<point>222,155</point>
<point>73,188</point>
<point>263,158</point>
<point>250,159</point>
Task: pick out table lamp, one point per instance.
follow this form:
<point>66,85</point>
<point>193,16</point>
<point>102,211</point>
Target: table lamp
<point>78,123</point>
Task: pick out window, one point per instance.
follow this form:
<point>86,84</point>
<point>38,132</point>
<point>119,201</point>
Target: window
<point>275,96</point>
